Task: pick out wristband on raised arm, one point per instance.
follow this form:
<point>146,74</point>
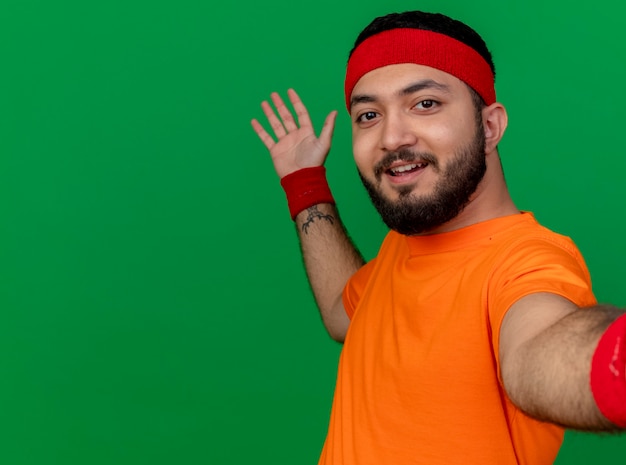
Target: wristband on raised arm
<point>305,188</point>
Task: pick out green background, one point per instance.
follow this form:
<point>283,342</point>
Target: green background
<point>153,305</point>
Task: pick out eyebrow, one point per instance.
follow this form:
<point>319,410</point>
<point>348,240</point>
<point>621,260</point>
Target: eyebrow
<point>424,84</point>
<point>410,89</point>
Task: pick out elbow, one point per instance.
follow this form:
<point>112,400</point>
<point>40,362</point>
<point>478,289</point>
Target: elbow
<point>336,335</point>
<point>337,328</point>
<point>336,321</point>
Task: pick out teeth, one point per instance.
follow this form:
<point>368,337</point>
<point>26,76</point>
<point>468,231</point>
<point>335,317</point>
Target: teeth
<point>403,168</point>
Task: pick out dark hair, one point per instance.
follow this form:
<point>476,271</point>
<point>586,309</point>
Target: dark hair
<point>435,22</point>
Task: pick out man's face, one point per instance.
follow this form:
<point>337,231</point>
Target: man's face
<point>418,143</point>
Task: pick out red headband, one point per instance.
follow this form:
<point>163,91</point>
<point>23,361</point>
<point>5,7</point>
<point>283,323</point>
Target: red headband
<point>406,45</point>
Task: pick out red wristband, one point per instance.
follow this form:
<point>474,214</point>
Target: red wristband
<point>608,373</point>
<point>305,188</point>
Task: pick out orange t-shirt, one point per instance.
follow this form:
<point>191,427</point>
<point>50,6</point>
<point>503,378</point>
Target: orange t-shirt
<point>418,379</point>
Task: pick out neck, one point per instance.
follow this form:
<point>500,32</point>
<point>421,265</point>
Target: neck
<point>491,200</point>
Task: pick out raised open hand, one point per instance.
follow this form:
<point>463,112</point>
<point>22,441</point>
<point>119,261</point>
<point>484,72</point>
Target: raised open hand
<point>296,146</point>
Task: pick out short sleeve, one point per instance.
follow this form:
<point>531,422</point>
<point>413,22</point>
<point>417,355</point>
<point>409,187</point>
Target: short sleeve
<point>355,287</point>
<point>533,266</point>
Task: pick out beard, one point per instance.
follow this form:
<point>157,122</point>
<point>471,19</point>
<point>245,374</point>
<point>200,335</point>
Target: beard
<point>412,214</point>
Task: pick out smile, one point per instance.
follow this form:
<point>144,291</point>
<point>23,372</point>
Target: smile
<point>405,169</point>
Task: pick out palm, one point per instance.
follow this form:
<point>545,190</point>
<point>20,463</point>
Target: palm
<point>298,150</point>
<point>296,146</point>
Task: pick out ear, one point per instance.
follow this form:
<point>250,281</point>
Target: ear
<point>495,121</point>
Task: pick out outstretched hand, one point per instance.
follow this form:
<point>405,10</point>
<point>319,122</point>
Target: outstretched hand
<point>296,146</point>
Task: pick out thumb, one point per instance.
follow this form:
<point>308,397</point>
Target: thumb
<point>327,130</point>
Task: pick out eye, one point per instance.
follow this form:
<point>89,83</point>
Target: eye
<point>426,104</point>
<point>367,116</point>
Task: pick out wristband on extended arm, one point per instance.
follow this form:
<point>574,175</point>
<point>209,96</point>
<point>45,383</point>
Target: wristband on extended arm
<point>608,373</point>
<point>305,188</point>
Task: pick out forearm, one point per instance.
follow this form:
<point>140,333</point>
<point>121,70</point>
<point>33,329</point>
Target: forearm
<point>330,259</point>
<point>549,375</point>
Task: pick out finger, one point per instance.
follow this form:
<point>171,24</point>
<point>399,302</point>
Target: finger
<point>275,123</point>
<point>327,130</point>
<point>263,135</point>
<point>300,109</point>
<point>283,111</point>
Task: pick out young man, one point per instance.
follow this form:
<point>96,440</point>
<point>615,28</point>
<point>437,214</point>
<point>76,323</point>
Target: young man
<point>473,336</point>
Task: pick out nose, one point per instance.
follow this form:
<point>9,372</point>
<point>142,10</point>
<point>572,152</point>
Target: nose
<point>397,132</point>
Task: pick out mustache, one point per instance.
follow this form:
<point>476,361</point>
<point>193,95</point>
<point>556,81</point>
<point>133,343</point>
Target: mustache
<point>405,155</point>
